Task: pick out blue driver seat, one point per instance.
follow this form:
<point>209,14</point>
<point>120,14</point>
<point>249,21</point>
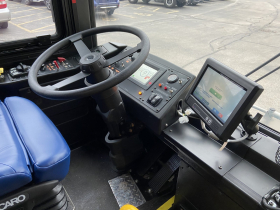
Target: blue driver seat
<point>32,150</point>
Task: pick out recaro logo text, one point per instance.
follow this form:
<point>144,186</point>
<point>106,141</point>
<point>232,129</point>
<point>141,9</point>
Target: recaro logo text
<point>12,202</point>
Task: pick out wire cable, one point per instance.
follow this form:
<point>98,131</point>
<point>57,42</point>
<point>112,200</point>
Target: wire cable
<point>268,196</point>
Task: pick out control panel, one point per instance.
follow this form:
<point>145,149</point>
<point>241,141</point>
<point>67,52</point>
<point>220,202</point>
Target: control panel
<point>153,84</point>
<point>59,64</point>
<point>151,93</point>
<point>20,72</point>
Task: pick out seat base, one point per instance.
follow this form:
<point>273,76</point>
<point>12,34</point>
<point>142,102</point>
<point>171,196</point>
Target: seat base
<point>47,195</point>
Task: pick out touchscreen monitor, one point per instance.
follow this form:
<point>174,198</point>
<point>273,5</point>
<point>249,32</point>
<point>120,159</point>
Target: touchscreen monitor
<point>222,97</point>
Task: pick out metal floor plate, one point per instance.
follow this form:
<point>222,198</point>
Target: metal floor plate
<point>126,191</point>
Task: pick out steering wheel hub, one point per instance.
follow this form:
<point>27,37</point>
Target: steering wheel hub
<point>92,62</point>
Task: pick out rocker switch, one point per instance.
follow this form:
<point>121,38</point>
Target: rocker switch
<point>151,97</point>
<point>156,100</point>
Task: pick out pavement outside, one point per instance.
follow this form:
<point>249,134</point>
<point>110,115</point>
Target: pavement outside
<point>240,33</point>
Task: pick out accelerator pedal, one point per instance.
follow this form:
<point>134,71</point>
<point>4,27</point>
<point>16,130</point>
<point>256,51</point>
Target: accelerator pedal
<point>128,207</point>
<point>164,173</point>
<point>126,191</point>
<point>150,158</point>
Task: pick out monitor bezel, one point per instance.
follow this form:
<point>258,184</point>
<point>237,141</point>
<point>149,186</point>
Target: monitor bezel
<point>222,76</point>
<point>253,90</point>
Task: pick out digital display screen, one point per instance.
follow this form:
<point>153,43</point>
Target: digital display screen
<point>218,94</point>
<point>144,74</point>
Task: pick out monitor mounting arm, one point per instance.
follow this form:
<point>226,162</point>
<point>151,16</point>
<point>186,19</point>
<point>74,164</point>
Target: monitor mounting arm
<point>250,124</point>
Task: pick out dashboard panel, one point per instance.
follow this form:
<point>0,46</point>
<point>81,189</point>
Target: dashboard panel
<point>151,94</point>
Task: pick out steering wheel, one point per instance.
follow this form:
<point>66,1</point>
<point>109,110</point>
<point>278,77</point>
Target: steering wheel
<point>88,57</point>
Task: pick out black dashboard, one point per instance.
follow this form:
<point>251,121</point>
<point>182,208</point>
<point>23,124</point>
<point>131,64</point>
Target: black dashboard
<point>153,101</point>
<point>240,175</point>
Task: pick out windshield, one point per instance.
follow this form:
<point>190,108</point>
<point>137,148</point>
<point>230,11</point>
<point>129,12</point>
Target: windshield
<point>241,34</point>
<point>25,19</point>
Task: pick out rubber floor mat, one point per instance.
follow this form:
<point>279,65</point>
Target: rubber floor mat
<point>70,204</point>
<point>126,191</point>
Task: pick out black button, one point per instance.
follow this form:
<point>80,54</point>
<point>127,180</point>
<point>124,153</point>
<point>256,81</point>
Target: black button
<point>172,78</point>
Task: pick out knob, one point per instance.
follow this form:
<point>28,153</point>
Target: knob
<point>43,67</point>
<point>22,68</point>
<point>172,78</point>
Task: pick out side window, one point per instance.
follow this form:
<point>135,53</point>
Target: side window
<point>25,19</point>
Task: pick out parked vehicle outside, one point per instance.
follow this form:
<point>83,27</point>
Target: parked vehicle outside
<point>5,14</point>
<point>167,3</point>
<point>108,6</point>
<point>48,4</point>
<point>28,2</point>
<point>193,2</point>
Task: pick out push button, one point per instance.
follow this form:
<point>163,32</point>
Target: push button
<point>2,77</point>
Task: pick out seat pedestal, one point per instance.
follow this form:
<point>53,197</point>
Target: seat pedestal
<point>39,197</point>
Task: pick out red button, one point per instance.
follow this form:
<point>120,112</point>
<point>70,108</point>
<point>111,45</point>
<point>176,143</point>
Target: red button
<point>61,59</point>
<point>165,88</point>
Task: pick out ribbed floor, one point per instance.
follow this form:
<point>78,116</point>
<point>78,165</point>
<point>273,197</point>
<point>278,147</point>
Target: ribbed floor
<point>87,180</point>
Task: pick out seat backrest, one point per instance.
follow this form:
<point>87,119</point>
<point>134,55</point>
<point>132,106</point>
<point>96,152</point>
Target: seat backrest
<point>48,151</point>
<point>14,171</point>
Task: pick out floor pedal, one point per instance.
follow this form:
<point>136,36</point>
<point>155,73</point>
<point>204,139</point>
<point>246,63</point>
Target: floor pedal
<point>164,173</point>
<point>126,191</point>
<point>150,158</point>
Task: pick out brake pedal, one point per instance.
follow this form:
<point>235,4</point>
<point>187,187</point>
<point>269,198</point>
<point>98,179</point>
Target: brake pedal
<point>164,173</point>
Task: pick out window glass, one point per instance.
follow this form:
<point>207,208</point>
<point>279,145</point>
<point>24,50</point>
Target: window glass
<point>239,33</point>
<point>25,19</point>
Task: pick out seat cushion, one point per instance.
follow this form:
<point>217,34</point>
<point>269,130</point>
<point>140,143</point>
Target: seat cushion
<point>14,171</point>
<point>48,151</point>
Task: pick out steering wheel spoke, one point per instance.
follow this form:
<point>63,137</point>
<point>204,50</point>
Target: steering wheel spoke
<point>80,46</point>
<point>69,81</point>
<point>123,55</point>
